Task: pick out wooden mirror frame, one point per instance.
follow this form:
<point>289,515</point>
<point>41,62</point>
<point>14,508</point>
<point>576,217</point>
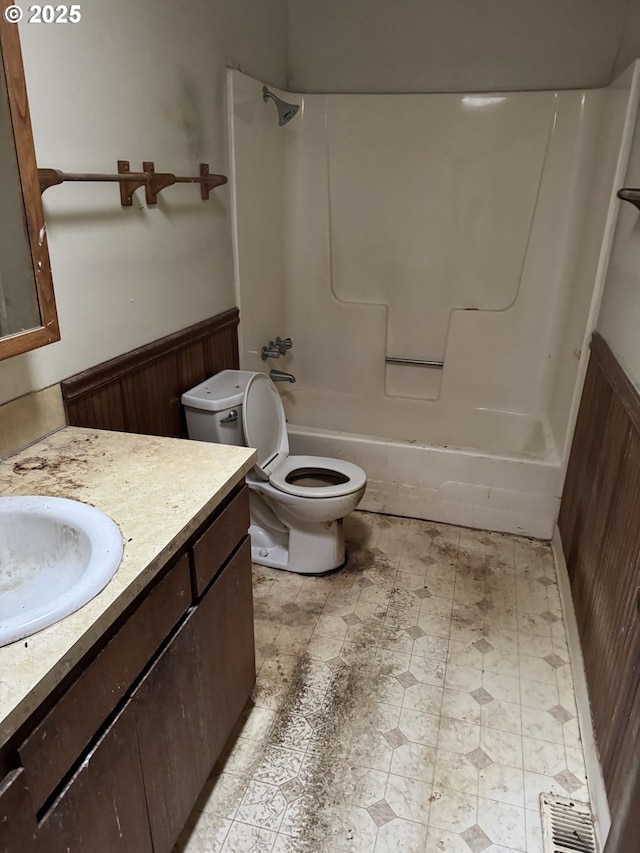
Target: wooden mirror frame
<point>49,330</point>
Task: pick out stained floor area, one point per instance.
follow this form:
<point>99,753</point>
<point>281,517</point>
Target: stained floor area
<point>417,701</point>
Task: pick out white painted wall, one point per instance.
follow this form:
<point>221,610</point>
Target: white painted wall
<point>619,320</point>
<point>137,81</point>
<point>458,45</point>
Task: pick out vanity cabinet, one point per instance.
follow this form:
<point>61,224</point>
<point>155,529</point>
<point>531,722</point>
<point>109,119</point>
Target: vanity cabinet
<point>102,807</point>
<point>209,666</point>
<point>118,760</point>
<point>18,825</point>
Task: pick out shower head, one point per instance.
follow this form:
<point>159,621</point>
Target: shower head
<point>285,111</point>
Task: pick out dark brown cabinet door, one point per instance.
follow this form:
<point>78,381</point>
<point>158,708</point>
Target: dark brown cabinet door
<point>170,730</point>
<point>189,701</point>
<point>17,819</point>
<point>103,807</point>
<point>226,632</point>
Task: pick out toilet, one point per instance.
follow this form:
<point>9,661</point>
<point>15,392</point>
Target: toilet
<point>297,502</point>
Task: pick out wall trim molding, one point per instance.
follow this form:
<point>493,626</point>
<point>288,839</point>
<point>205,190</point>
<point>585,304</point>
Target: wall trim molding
<point>595,778</point>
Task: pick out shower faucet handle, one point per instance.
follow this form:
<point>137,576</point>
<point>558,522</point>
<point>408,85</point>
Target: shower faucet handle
<point>283,345</point>
<point>270,351</point>
<point>275,349</point>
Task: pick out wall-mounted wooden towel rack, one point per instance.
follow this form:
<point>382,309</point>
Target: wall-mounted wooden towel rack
<point>631,195</point>
<point>153,182</point>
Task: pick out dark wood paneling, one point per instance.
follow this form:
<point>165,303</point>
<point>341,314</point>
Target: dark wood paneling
<point>140,391</point>
<point>625,834</point>
<point>190,365</point>
<point>600,527</point>
<point>218,353</point>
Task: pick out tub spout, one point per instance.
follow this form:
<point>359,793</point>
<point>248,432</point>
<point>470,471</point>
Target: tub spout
<point>281,376</point>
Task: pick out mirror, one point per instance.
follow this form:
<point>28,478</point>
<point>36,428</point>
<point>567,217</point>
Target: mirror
<point>28,317</point>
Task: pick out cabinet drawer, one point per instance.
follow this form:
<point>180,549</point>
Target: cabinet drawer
<point>51,749</point>
<point>219,540</point>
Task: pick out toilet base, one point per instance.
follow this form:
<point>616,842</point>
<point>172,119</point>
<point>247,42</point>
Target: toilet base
<point>269,547</point>
<point>308,549</point>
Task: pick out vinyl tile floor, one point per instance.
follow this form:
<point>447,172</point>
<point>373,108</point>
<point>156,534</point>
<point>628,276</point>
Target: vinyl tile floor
<point>419,700</point>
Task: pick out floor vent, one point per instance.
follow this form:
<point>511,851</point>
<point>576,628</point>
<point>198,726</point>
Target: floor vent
<point>567,826</point>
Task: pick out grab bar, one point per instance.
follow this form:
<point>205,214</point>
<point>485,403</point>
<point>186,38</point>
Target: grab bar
<point>416,362</point>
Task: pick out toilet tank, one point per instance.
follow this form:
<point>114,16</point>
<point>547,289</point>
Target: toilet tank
<point>213,409</point>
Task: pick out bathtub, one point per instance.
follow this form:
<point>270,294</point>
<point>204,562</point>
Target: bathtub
<point>479,468</point>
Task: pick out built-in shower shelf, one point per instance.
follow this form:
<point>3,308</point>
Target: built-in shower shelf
<point>152,181</point>
<point>632,195</point>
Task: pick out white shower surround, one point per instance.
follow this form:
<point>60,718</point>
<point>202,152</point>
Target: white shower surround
<point>483,244</point>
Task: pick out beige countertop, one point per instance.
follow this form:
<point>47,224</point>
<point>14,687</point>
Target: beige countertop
<point>157,490</point>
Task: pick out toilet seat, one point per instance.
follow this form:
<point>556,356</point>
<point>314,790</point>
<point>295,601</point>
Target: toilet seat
<point>265,428</point>
<point>291,466</point>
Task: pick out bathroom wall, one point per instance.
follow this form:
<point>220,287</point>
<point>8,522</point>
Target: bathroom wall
<point>137,81</point>
<point>458,45</point>
<point>619,320</point>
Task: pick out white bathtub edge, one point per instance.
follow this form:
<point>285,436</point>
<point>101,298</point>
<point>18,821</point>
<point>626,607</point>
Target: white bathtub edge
<point>595,779</point>
<point>523,517</point>
<point>507,495</point>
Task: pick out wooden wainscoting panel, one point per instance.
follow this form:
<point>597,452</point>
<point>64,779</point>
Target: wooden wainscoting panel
<point>578,488</point>
<point>620,584</point>
<point>140,391</point>
<point>152,399</point>
<point>221,352</point>
<point>190,365</point>
<point>600,527</point>
<point>104,406</point>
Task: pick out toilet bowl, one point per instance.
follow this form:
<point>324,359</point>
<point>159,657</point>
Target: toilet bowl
<point>297,502</point>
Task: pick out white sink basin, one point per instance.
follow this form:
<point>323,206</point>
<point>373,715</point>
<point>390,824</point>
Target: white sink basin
<point>55,555</point>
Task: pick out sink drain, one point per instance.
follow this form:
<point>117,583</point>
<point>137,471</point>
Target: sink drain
<point>567,826</point>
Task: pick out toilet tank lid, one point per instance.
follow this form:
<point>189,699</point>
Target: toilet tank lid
<point>222,391</point>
